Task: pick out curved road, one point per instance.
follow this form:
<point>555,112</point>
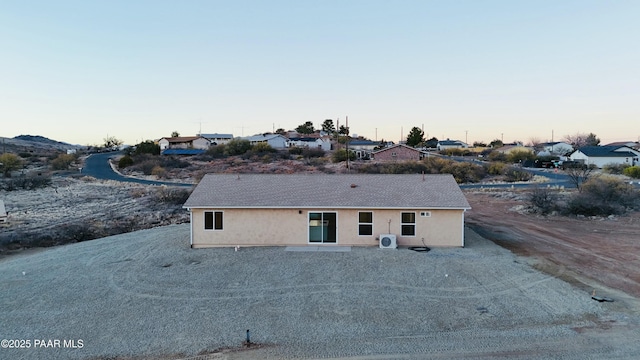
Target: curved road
<point>97,165</point>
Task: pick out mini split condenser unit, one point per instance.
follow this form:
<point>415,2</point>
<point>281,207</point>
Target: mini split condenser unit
<point>388,241</point>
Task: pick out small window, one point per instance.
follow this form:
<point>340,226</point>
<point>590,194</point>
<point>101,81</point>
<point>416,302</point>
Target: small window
<point>408,225</point>
<point>213,220</point>
<point>425,213</point>
<point>365,223</point>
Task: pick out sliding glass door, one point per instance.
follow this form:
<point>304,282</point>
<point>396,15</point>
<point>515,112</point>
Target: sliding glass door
<point>322,227</point>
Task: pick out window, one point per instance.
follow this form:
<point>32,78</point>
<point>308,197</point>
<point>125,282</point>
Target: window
<point>213,220</point>
<point>408,224</point>
<point>425,213</point>
<point>323,227</point>
<point>365,223</point>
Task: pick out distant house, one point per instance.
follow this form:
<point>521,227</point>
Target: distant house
<point>555,148</point>
<point>451,144</point>
<point>398,152</point>
<point>632,144</point>
<point>218,139</point>
<point>603,155</point>
<point>184,142</point>
<point>276,141</point>
<point>511,148</point>
<point>363,148</point>
<point>316,210</point>
<point>311,142</point>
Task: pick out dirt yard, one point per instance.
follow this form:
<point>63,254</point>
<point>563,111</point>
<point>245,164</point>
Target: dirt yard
<point>588,252</point>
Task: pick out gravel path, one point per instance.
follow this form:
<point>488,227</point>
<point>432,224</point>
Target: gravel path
<point>148,294</point>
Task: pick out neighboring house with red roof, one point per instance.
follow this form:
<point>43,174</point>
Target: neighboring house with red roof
<point>604,155</point>
<point>184,142</point>
<point>315,210</point>
<point>398,152</point>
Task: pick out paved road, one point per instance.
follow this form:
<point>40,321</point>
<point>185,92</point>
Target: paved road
<point>97,165</point>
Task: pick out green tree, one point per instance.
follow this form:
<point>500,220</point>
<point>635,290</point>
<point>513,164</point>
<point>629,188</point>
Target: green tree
<point>9,162</point>
<point>496,143</point>
<point>343,130</point>
<point>175,134</point>
<point>520,156</point>
<point>328,126</point>
<point>306,128</point>
<point>281,131</point>
<point>341,155</point>
<point>237,147</point>
<point>431,143</point>
<point>147,147</point>
<point>415,137</point>
<point>592,140</point>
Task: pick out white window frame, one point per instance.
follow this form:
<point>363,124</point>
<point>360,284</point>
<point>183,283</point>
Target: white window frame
<point>364,223</point>
<point>213,212</point>
<point>403,224</point>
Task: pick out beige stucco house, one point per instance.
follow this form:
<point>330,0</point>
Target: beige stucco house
<point>312,209</point>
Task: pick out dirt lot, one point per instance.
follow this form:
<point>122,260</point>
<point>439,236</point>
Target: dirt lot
<point>597,253</point>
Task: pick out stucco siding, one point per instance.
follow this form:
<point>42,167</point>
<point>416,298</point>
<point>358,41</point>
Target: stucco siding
<point>281,227</point>
<point>401,154</point>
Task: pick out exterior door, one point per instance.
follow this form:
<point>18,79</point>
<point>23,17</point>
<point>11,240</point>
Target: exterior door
<point>323,227</point>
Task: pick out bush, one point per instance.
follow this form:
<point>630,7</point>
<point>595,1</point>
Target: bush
<point>62,162</point>
<point>496,168</point>
<point>543,200</point>
<point>158,171</point>
<point>171,196</point>
<point>312,153</point>
<point>614,168</point>
<point>237,147</point>
<point>341,155</point>
<point>296,150</point>
<point>520,156</point>
<point>632,172</point>
<point>147,166</point>
<point>147,147</point>
<point>172,162</point>
<point>262,148</point>
<point>29,182</point>
<point>125,161</point>
<point>513,174</point>
<point>464,172</point>
<point>604,196</point>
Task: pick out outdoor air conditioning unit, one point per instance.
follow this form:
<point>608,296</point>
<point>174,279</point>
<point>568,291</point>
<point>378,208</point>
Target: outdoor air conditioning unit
<point>388,241</point>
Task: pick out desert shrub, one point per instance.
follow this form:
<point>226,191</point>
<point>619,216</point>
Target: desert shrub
<point>237,147</point>
<point>456,152</point>
<point>62,162</point>
<point>513,174</point>
<point>171,195</point>
<point>296,150</point>
<point>158,171</point>
<point>632,172</point>
<point>465,172</point>
<point>312,153</point>
<point>614,168</point>
<point>520,156</point>
<point>213,152</point>
<point>172,162</point>
<point>341,155</point>
<point>9,162</point>
<point>147,166</point>
<point>262,148</point>
<point>496,168</point>
<point>543,200</point>
<point>604,196</point>
<point>125,161</point>
<point>29,182</point>
<point>497,156</point>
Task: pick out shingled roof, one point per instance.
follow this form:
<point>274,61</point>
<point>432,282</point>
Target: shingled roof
<point>328,191</point>
<point>605,151</point>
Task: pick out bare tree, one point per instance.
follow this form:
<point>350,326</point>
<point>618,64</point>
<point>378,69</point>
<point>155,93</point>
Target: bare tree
<point>111,142</point>
<point>579,140</point>
<point>578,175</point>
<point>534,141</point>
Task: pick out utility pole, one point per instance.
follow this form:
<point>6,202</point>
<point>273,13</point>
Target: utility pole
<point>347,142</point>
<point>466,137</point>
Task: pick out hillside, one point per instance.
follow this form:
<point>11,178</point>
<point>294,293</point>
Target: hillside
<point>32,143</point>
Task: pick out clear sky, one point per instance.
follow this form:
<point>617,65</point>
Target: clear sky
<point>78,71</point>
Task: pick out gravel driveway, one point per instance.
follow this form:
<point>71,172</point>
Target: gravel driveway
<point>148,294</point>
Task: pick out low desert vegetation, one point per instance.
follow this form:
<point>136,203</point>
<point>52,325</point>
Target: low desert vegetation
<point>632,172</point>
<point>599,196</point>
<point>30,181</point>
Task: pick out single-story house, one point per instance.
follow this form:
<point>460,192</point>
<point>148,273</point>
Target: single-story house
<point>511,148</point>
<point>451,144</point>
<point>555,148</point>
<point>363,148</point>
<point>228,210</point>
<point>398,152</point>
<point>632,144</point>
<point>218,139</point>
<point>276,141</point>
<point>184,142</point>
<point>603,155</point>
<point>311,142</point>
